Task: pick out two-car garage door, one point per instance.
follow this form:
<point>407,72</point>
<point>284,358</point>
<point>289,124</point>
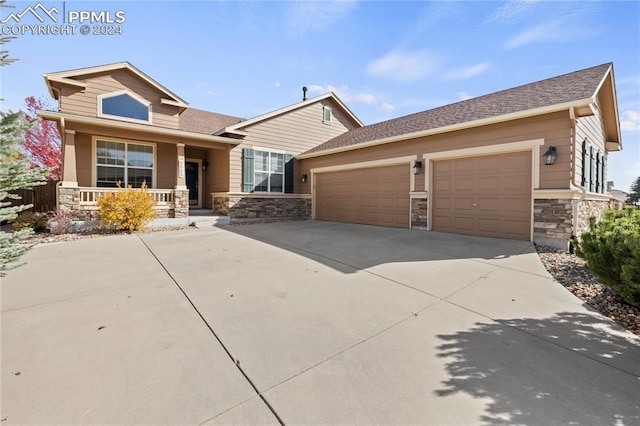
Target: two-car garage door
<point>484,195</point>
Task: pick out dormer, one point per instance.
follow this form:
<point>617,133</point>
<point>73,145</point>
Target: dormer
<point>118,92</point>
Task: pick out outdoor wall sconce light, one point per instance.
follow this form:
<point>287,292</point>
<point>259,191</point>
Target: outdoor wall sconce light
<point>550,156</point>
<point>205,164</point>
<point>417,165</point>
<point>304,178</point>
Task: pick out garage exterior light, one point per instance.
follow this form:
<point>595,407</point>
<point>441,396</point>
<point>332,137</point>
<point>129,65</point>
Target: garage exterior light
<point>417,165</point>
<point>550,156</point>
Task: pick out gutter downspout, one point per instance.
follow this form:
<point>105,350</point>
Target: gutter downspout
<point>61,129</point>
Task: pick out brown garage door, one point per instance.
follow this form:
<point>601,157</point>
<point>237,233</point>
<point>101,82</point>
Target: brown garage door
<point>488,196</point>
<point>374,196</point>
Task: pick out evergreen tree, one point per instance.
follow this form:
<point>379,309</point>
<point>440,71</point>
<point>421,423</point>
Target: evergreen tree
<point>15,173</point>
<point>634,194</point>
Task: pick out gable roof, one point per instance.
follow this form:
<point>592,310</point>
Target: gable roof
<point>577,89</point>
<point>237,128</point>
<point>200,121</point>
<point>69,78</point>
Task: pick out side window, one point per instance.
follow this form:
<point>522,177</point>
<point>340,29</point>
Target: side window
<point>265,171</point>
<point>327,114</point>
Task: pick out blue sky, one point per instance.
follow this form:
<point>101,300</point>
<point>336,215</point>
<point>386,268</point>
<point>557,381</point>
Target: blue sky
<point>383,59</point>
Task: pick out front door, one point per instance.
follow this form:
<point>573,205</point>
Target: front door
<point>193,182</point>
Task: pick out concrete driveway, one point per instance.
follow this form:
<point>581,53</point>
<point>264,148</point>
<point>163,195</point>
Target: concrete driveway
<point>306,323</point>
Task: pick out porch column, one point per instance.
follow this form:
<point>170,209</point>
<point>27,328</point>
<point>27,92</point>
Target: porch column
<point>181,180</point>
<point>69,173</point>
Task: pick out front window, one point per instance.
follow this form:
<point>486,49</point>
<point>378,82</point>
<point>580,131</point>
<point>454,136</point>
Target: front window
<point>127,163</point>
<point>269,172</point>
<point>124,105</point>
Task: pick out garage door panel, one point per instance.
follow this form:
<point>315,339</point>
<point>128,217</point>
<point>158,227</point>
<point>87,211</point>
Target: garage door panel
<point>377,196</point>
<point>486,195</point>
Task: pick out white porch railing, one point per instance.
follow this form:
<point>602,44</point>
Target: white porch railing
<point>90,196</point>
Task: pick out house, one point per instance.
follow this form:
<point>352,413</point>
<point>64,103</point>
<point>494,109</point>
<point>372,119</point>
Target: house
<point>119,125</point>
<point>525,163</point>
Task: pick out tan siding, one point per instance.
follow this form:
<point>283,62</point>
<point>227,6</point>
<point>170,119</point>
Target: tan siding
<point>85,102</point>
<point>219,170</point>
<point>294,133</point>
<point>553,128</point>
<point>84,160</point>
<point>591,128</point>
<point>166,166</point>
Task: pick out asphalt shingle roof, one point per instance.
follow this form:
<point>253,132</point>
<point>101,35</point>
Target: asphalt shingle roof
<point>553,91</point>
<point>199,121</point>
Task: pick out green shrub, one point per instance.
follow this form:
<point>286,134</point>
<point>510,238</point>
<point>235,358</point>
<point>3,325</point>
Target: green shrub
<point>611,250</point>
<point>32,220</point>
<point>129,209</point>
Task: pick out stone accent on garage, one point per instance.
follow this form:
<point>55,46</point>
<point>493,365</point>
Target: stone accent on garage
<point>419,213</point>
<point>240,206</point>
<point>553,222</point>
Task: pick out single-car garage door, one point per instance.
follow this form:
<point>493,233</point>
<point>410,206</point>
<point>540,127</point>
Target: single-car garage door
<point>487,196</point>
<point>374,196</point>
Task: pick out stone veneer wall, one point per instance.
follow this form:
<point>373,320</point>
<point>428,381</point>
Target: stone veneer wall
<point>181,202</point>
<point>553,221</point>
<point>419,213</point>
<point>586,209</point>
<point>256,207</point>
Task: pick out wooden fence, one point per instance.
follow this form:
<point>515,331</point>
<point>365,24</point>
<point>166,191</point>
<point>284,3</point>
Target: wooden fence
<point>42,197</point>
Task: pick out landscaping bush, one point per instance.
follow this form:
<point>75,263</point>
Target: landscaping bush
<point>129,209</point>
<point>60,221</point>
<point>611,250</point>
<point>35,221</point>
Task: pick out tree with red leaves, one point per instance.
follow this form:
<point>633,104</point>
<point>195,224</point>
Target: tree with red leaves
<point>42,142</point>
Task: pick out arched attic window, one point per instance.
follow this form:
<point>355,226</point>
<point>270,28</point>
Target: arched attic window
<point>125,105</point>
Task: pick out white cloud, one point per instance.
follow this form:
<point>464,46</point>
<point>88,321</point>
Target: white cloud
<point>346,94</point>
<point>512,10</point>
<point>405,67</point>
<point>317,15</point>
<point>463,96</point>
<point>630,121</point>
<point>209,92</point>
<point>386,107</point>
<point>468,72</point>
<point>277,84</point>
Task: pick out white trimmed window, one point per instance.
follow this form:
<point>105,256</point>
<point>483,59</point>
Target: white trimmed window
<point>268,171</point>
<point>124,162</point>
<point>327,114</point>
<point>124,105</point>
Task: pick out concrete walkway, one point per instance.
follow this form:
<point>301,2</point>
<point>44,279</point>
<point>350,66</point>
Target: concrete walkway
<point>305,323</point>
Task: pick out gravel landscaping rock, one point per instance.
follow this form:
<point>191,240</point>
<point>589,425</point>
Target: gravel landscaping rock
<point>569,270</point>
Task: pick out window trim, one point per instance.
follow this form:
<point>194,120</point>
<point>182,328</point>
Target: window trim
<point>94,158</point>
<point>269,151</point>
<point>120,117</point>
<point>327,109</point>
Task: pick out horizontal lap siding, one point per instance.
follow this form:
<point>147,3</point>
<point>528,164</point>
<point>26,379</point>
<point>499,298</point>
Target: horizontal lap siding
<point>555,129</point>
<point>85,102</point>
<point>293,132</point>
<point>84,160</point>
<point>592,129</point>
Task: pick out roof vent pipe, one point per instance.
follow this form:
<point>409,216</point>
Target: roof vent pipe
<point>304,93</point>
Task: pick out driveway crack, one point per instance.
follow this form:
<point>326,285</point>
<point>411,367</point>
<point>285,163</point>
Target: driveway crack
<point>233,359</point>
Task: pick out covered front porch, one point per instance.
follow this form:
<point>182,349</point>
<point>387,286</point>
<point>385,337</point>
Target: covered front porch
<point>181,169</point>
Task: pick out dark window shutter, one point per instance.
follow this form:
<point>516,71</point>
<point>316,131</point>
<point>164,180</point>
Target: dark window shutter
<point>598,169</point>
<point>288,173</point>
<point>585,156</point>
<point>603,175</point>
<point>591,170</point>
<point>247,170</point>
